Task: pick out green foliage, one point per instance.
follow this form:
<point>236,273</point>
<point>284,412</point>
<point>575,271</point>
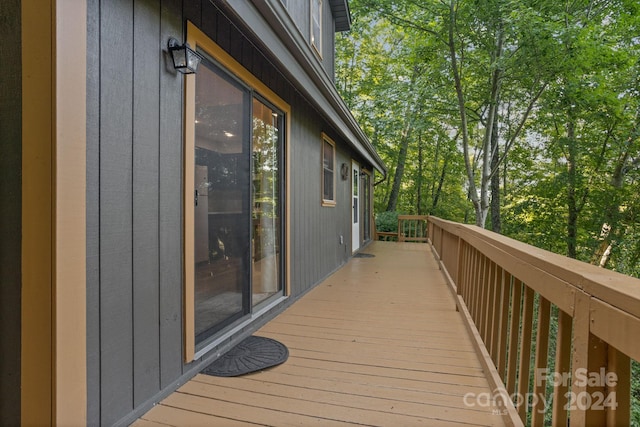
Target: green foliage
<point>387,221</point>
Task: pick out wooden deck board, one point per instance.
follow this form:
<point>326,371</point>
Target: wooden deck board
<point>378,343</point>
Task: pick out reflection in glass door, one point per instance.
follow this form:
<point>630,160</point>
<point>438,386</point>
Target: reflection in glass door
<point>366,206</point>
<point>221,201</point>
<point>355,213</point>
<point>267,217</point>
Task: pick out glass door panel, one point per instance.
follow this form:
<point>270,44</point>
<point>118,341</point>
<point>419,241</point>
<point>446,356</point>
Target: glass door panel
<point>366,206</point>
<point>221,200</point>
<point>355,215</point>
<point>267,137</point>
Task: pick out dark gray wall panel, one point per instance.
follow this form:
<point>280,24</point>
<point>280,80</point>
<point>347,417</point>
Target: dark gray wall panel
<point>134,206</point>
<point>135,104</point>
<point>210,23</point>
<point>301,14</point>
<point>146,151</point>
<point>170,215</point>
<point>192,11</point>
<point>316,230</point>
<point>93,212</point>
<point>328,35</point>
<point>116,199</point>
<point>10,211</point>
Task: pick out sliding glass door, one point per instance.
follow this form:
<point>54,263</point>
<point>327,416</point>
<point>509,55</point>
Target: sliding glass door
<point>221,199</point>
<point>237,199</point>
<point>267,205</point>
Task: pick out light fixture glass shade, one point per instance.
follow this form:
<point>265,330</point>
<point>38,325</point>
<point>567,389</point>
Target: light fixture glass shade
<point>185,59</point>
<point>193,58</point>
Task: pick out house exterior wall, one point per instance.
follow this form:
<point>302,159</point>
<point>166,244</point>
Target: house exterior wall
<point>134,197</point>
<point>10,211</point>
<point>135,104</point>
<point>300,11</point>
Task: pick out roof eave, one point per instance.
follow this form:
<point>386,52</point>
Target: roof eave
<point>341,14</point>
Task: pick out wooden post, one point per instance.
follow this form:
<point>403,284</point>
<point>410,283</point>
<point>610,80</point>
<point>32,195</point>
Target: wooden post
<point>589,355</point>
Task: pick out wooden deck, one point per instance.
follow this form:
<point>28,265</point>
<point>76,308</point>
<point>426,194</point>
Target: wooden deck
<point>378,343</point>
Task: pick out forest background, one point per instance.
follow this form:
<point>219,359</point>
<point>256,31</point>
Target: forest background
<point>521,116</point>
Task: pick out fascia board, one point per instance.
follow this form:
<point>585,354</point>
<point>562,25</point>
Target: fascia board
<point>340,9</point>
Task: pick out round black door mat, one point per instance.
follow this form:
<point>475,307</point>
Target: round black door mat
<point>363,255</point>
<point>250,355</point>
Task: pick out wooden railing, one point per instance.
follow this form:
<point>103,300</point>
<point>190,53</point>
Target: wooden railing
<point>411,228</point>
<point>556,335</point>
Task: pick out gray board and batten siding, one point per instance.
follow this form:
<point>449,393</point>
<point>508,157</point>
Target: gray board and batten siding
<point>134,197</point>
<point>10,211</point>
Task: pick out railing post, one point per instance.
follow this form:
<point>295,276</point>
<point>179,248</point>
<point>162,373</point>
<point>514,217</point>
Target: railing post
<point>589,355</point>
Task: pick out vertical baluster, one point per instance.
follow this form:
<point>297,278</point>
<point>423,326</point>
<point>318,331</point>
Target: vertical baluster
<point>477,262</point>
<point>481,293</point>
<point>542,351</point>
<point>505,294</point>
<point>619,413</point>
<point>562,365</point>
<point>468,290</point>
<point>460,267</point>
<point>488,308</point>
<point>514,330</point>
<point>496,308</point>
<point>525,351</point>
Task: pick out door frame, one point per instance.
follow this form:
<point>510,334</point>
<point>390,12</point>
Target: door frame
<point>197,39</point>
<point>356,236</point>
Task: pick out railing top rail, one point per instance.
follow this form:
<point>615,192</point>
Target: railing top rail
<point>407,217</point>
<point>616,289</point>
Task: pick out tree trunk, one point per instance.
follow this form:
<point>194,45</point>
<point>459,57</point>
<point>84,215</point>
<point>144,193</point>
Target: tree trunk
<point>572,218</point>
<point>496,223</point>
<point>436,196</point>
<point>402,159</point>
<point>480,201</point>
<point>419,179</point>
<point>490,160</point>
<point>404,147</point>
<point>611,226</point>
<point>464,129</point>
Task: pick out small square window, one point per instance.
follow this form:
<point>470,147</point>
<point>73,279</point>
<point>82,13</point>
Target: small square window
<point>316,25</point>
<point>328,171</point>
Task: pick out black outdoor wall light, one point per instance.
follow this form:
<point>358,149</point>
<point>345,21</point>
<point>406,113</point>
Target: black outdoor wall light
<point>344,171</point>
<point>185,59</point>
